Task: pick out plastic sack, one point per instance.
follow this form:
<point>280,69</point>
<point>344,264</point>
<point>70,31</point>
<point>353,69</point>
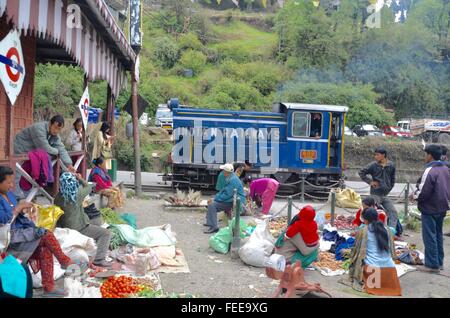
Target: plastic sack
<point>71,240</point>
<point>259,246</point>
<point>146,259</point>
<point>220,242</point>
<point>78,255</point>
<point>348,198</point>
<point>48,216</point>
<point>77,290</point>
<point>129,255</point>
<point>153,260</point>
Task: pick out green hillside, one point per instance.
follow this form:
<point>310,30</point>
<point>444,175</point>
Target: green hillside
<point>237,59</point>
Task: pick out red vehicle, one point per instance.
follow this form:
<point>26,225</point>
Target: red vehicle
<point>395,131</point>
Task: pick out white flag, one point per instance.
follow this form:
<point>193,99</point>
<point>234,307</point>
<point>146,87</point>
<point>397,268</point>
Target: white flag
<point>83,106</point>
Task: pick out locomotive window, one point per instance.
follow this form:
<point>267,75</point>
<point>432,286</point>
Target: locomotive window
<point>316,125</point>
<point>300,124</point>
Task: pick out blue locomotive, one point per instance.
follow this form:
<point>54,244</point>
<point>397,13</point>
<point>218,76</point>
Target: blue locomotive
<point>291,143</point>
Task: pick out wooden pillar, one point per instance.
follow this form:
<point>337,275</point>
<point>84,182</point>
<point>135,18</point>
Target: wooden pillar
<point>10,134</point>
<point>112,114</point>
<point>109,97</point>
<point>84,147</point>
<point>137,150</point>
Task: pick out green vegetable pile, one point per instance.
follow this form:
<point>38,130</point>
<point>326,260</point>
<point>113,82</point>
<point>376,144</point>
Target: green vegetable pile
<point>111,217</point>
<point>148,293</point>
<point>116,239</point>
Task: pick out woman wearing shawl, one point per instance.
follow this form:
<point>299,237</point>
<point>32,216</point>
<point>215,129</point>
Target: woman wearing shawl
<point>29,243</point>
<point>372,268</point>
<point>300,241</point>
<point>70,198</point>
<point>104,186</point>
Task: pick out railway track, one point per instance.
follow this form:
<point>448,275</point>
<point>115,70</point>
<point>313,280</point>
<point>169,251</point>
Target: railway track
<point>318,195</point>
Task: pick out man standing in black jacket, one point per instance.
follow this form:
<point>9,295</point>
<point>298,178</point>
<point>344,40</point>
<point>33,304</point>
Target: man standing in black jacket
<point>381,181</point>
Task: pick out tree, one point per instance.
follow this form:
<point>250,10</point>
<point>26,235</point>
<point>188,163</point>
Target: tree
<point>228,94</point>
<point>166,52</point>
<point>361,99</point>
<point>193,60</point>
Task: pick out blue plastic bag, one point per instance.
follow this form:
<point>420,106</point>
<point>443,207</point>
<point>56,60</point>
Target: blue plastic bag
<point>13,277</point>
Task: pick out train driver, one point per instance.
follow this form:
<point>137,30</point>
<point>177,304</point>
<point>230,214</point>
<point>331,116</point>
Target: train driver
<point>316,125</point>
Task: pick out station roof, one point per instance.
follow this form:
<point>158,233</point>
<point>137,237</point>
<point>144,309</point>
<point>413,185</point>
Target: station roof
<point>99,47</point>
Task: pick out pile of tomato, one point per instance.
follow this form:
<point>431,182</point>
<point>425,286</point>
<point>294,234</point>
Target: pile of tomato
<point>120,287</point>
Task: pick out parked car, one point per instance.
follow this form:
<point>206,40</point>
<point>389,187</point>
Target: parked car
<point>398,132</point>
<point>349,132</point>
<point>367,130</point>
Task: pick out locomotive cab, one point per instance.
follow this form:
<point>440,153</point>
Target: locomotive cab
<point>315,143</point>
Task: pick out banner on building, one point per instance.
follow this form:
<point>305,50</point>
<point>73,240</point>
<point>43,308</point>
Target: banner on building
<point>135,24</point>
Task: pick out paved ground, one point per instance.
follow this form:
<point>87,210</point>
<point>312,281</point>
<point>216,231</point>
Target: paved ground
<point>217,275</point>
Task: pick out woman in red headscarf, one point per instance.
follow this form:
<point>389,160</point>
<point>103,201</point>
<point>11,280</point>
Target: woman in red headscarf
<point>300,241</point>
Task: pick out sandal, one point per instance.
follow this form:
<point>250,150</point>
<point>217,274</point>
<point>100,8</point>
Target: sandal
<point>76,269</point>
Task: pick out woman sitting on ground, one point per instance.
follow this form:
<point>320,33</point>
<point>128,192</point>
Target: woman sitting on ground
<point>372,268</point>
<point>104,186</point>
<point>30,244</point>
<point>300,241</point>
<point>70,198</point>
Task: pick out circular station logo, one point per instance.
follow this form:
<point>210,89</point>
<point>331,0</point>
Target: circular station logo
<point>86,107</point>
<point>13,67</point>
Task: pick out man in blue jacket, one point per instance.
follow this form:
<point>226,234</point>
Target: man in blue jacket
<point>223,200</point>
<point>433,195</point>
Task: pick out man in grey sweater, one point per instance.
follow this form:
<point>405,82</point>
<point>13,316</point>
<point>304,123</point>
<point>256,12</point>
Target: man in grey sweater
<point>381,181</point>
